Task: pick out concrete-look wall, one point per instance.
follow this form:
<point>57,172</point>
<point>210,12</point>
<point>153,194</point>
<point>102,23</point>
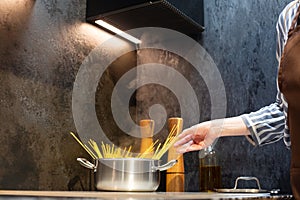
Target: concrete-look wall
<point>43,45</point>
<point>241,38</point>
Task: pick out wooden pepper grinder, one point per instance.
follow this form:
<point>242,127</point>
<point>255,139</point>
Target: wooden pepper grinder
<point>147,130</point>
<point>175,175</point>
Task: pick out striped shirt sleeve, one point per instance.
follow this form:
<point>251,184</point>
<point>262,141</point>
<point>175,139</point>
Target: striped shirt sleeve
<point>268,124</point>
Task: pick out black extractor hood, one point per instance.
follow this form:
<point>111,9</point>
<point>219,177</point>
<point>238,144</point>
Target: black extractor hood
<point>185,16</point>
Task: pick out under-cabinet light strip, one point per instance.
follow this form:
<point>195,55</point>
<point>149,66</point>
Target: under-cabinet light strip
<point>117,31</point>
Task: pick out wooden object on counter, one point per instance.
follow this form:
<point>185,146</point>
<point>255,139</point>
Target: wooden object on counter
<point>147,130</point>
<point>175,175</point>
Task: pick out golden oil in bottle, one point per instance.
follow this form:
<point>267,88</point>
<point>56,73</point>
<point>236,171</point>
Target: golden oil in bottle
<point>210,170</point>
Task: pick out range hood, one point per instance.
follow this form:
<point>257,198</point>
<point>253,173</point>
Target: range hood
<point>129,14</point>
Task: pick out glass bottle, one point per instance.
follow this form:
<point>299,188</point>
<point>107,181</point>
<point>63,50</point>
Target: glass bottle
<point>210,170</point>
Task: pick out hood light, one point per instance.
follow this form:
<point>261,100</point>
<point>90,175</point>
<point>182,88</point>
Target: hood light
<point>117,31</point>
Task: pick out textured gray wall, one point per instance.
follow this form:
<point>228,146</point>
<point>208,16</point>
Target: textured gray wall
<point>43,44</point>
<point>241,38</point>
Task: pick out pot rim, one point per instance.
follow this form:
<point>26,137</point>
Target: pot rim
<point>139,159</point>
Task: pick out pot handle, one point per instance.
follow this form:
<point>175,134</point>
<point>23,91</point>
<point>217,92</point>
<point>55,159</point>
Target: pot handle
<point>247,178</point>
<point>166,166</point>
<point>87,164</point>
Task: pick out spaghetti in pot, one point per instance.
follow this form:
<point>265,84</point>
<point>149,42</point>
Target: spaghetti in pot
<point>110,151</point>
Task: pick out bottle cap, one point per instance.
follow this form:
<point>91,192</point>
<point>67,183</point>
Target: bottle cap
<point>205,151</point>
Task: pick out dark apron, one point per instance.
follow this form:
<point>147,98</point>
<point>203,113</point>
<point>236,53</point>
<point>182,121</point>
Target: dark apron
<point>289,85</point>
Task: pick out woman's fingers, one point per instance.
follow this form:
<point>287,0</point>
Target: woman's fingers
<point>196,147</point>
<point>184,140</point>
<point>184,148</point>
<point>186,132</point>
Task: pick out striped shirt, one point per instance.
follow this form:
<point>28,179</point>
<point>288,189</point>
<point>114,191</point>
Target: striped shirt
<point>268,125</point>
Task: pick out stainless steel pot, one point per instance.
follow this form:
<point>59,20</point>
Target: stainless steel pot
<point>126,174</point>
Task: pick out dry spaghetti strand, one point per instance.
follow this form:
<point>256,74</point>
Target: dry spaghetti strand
<point>84,146</point>
<point>171,139</point>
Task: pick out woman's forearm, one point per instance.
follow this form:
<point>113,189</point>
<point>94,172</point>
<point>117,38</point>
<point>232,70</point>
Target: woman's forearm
<point>233,126</point>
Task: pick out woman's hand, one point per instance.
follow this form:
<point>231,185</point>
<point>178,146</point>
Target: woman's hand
<point>198,137</point>
<point>204,134</point>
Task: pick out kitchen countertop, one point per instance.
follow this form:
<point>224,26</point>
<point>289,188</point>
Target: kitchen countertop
<point>33,195</point>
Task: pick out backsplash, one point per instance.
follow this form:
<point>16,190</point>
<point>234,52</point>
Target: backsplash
<point>43,45</point>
